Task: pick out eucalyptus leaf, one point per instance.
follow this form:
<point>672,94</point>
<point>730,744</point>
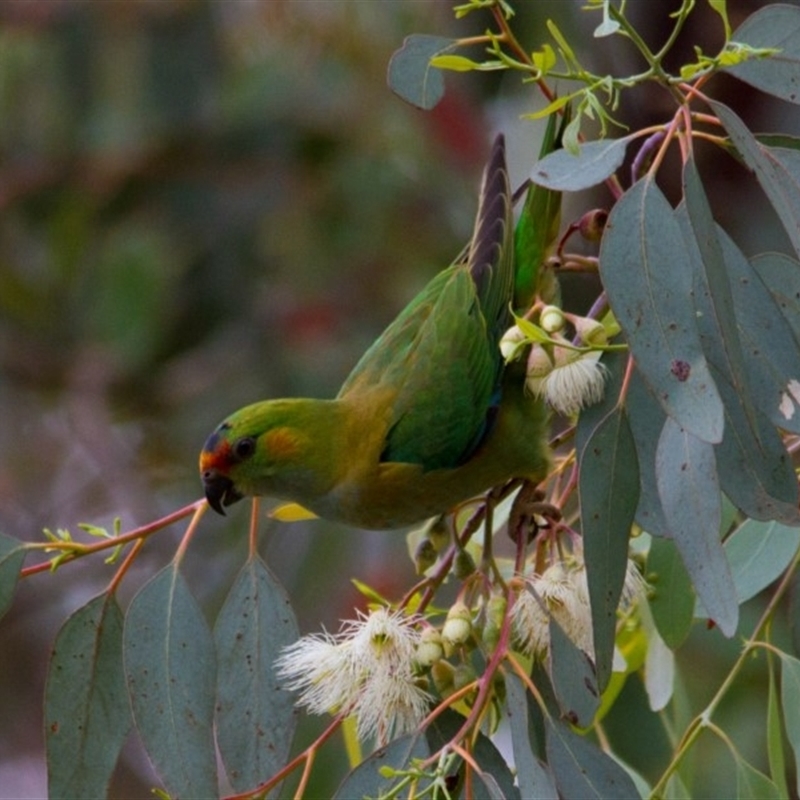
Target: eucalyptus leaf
<point>646,420</point>
<point>592,164</point>
<point>790,704</point>
<point>410,73</point>
<point>777,759</point>
<point>713,297</point>
<point>373,776</point>
<point>781,275</point>
<point>581,769</point>
<point>758,553</point>
<point>170,667</point>
<point>689,490</point>
<point>86,710</point>
<point>255,716</point>
<point>777,26</point>
<point>573,677</point>
<point>671,593</point>
<point>648,276</point>
<point>488,758</point>
<point>609,488</point>
<point>755,470</point>
<point>533,778</point>
<point>777,170</point>
<point>751,784</point>
<point>772,353</point>
<point>12,555</point>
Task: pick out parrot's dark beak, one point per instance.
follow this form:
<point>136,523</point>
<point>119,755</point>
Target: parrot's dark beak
<point>220,490</point>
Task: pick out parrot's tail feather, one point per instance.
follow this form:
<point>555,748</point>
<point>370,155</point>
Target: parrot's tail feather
<point>490,257</point>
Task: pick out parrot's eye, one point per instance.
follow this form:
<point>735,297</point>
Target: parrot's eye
<point>244,448</point>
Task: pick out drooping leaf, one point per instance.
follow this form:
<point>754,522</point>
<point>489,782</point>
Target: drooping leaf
<point>255,715</point>
<point>790,704</point>
<point>593,163</point>
<point>581,769</point>
<point>758,553</point>
<point>777,759</point>
<point>772,353</point>
<point>12,554</point>
<point>713,297</point>
<point>373,778</point>
<point>776,169</point>
<point>659,672</point>
<point>646,419</point>
<point>751,784</point>
<point>86,710</point>
<point>609,488</point>
<point>534,779</point>
<point>778,26</point>
<point>755,470</point>
<point>687,484</point>
<point>491,763</point>
<point>410,73</point>
<point>573,677</point>
<point>171,669</point>
<point>781,275</point>
<point>648,276</point>
<point>671,594</point>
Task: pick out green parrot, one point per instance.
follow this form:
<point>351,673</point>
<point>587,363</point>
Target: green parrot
<point>431,415</point>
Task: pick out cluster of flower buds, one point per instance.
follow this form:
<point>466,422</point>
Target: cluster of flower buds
<point>567,376</point>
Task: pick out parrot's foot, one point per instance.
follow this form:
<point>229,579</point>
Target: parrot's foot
<point>530,513</point>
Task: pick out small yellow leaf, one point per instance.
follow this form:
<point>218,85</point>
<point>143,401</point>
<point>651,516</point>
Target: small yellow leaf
<point>456,63</point>
<point>291,512</point>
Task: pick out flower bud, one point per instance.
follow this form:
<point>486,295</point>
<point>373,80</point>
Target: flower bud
<point>424,556</point>
<point>430,648</point>
<point>591,331</point>
<point>538,368</point>
<point>512,342</point>
<point>438,533</point>
<point>551,319</point>
<point>495,613</point>
<point>443,673</point>
<point>458,625</point>
<point>464,565</point>
<point>592,224</point>
<point>463,675</point>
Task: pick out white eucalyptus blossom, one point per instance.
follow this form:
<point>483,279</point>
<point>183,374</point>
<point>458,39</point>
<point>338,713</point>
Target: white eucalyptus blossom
<point>561,591</point>
<point>573,381</point>
<point>366,670</point>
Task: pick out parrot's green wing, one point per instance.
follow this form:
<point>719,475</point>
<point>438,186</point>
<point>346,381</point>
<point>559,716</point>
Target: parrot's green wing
<point>440,360</point>
<point>537,230</point>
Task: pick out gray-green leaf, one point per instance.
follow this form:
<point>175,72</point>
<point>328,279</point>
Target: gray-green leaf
<point>593,163</point>
<point>609,490</point>
<point>581,769</point>
<point>775,26</point>
<point>12,554</point>
<point>648,276</point>
<point>86,710</point>
<point>256,717</point>
<point>672,595</point>
<point>689,491</point>
<point>411,75</point>
<point>171,670</point>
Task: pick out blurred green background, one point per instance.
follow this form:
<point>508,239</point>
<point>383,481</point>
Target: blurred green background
<point>204,204</point>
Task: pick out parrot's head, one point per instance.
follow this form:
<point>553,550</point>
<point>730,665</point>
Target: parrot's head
<point>223,451</point>
<point>262,449</point>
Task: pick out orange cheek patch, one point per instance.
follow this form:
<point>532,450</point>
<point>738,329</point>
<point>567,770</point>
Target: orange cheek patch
<point>282,443</point>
